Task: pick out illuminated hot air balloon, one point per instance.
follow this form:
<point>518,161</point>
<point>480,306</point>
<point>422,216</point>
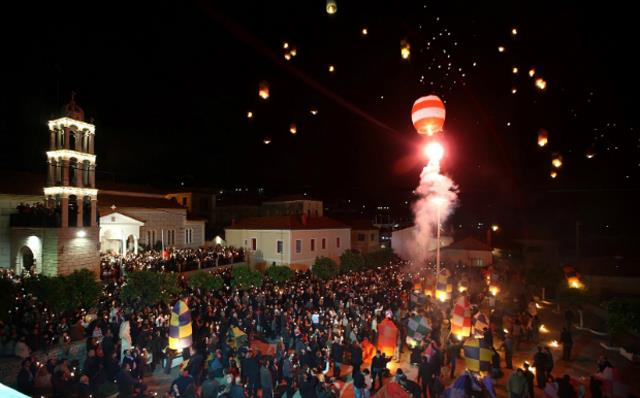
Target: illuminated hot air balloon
<point>556,160</point>
<point>332,7</point>
<point>428,114</point>
<point>405,49</point>
<point>263,90</point>
<point>180,327</point>
<point>543,138</point>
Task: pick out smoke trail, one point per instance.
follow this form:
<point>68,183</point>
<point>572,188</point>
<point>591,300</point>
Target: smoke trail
<point>435,190</point>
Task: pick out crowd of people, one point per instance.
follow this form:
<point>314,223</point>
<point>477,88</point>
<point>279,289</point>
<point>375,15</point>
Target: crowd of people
<point>320,329</point>
<point>113,265</point>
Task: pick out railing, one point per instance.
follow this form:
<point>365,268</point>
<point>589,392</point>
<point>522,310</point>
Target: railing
<point>35,220</point>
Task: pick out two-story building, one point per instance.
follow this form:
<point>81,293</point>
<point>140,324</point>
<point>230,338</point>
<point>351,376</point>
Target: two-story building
<point>290,240</point>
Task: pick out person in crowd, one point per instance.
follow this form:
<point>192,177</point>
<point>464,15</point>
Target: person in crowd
<point>181,384</point>
<point>567,343</point>
<point>540,362</point>
<point>528,375</point>
<point>516,384</point>
<point>25,378</point>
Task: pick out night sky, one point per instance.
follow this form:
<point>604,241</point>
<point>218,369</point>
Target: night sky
<point>169,85</point>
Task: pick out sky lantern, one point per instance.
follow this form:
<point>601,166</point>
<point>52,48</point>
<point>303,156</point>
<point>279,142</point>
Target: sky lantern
<point>332,7</point>
<point>249,115</point>
<point>364,31</point>
<point>428,114</point>
<point>591,153</point>
<point>543,138</point>
<point>532,72</point>
<point>313,111</point>
<point>514,31</point>
<point>263,90</point>
<point>541,84</point>
<point>180,327</point>
<point>500,49</point>
<point>556,160</point>
<point>387,337</point>
<point>293,129</point>
<point>514,70</point>
<point>405,49</point>
<point>553,174</point>
<point>266,140</point>
<point>332,68</point>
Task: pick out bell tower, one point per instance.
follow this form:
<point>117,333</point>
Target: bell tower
<point>71,184</point>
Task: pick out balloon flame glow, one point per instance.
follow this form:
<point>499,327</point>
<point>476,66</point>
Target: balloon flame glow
<point>434,151</point>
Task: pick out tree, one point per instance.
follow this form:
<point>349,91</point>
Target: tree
<point>378,258</point>
<point>351,261</point>
<point>244,278</point>
<point>324,268</point>
<point>543,276</point>
<point>205,281</point>
<point>51,291</point>
<point>82,290</point>
<point>150,288</point>
<point>280,273</point>
<point>622,314</point>
<point>7,297</point>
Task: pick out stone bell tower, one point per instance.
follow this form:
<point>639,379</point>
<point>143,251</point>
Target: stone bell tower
<point>71,191</point>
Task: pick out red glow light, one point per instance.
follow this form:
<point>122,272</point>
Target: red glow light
<point>434,151</point>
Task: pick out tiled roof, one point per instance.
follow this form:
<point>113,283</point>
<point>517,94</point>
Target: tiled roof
<point>357,223</point>
<point>110,211</point>
<point>469,243</point>
<point>291,198</point>
<point>288,222</point>
<point>124,201</point>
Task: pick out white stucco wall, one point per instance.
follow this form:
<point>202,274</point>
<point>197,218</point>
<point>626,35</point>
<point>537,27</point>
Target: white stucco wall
<point>266,244</point>
<point>307,256</point>
<point>8,204</point>
<point>198,233</point>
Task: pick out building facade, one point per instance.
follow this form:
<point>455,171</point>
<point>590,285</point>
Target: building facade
<point>60,235</point>
<point>295,241</point>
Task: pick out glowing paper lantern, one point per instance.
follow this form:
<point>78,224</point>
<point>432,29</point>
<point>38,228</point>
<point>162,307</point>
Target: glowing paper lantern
<point>292,128</point>
<point>417,329</point>
<point>461,317</point>
<point>263,90</point>
<point>249,115</point>
<point>541,84</point>
<point>180,327</point>
<point>477,355</point>
<point>543,138</point>
<point>387,335</point>
<point>443,287</point>
<point>479,322</point>
<point>332,7</point>
<point>553,174</point>
<point>556,160</point>
<point>591,153</point>
<point>405,49</point>
<point>428,114</point>
<point>266,141</point>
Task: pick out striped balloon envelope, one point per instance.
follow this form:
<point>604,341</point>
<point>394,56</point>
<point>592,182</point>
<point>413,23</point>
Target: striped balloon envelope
<point>428,115</point>
<point>180,327</point>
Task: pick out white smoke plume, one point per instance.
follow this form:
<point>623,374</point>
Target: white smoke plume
<point>435,191</point>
